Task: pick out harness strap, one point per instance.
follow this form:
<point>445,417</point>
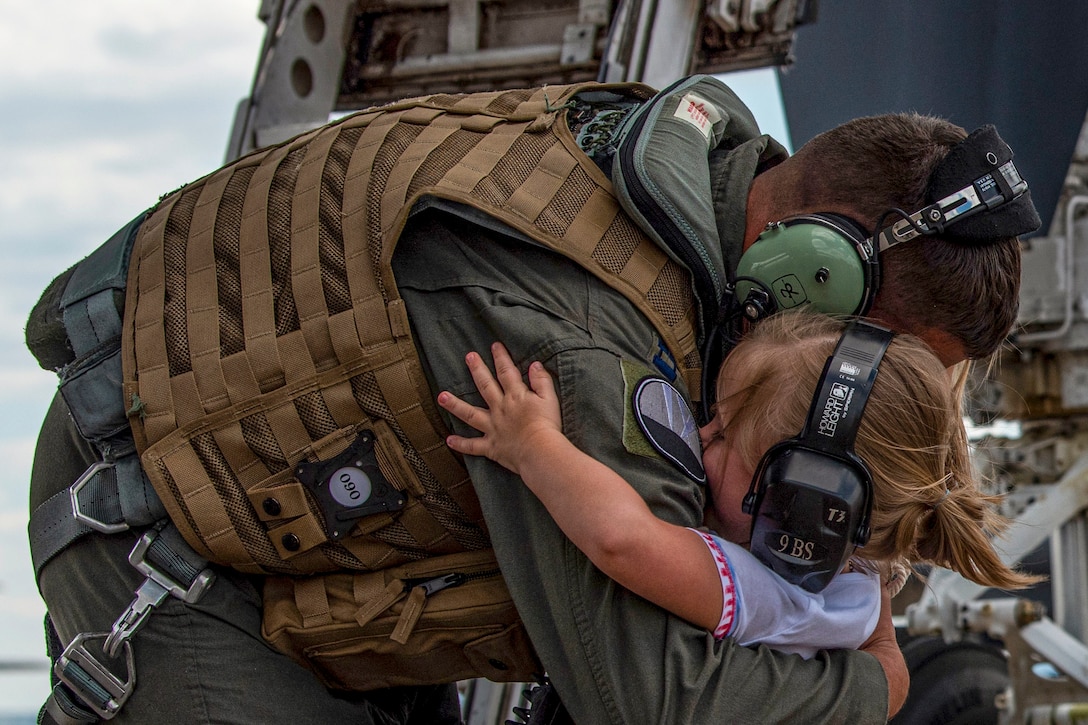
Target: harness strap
<point>86,689</point>
<point>110,497</point>
<point>113,495</point>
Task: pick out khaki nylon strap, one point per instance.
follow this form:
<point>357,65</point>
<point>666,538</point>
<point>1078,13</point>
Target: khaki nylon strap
<point>399,324</point>
<point>255,268</point>
<point>409,615</point>
<point>199,496</point>
<point>247,466</point>
<point>186,396</point>
<point>391,461</point>
<point>480,124</point>
<point>362,118</point>
<point>375,600</point>
<point>396,186</point>
<point>529,199</point>
<point>420,115</point>
<point>298,365</point>
<point>305,531</point>
<point>374,554</point>
<point>474,103</point>
<point>151,368</point>
<point>421,524</point>
<point>306,283</point>
<point>371,321</point>
<point>481,160</point>
<point>241,381</point>
<point>428,440</point>
<point>644,266</point>
<point>345,339</point>
<point>291,435</point>
<point>290,501</point>
<point>341,404</point>
<point>590,224</point>
<point>202,295</point>
<point>402,396</point>
<point>366,298</point>
<point>312,601</point>
<point>544,100</point>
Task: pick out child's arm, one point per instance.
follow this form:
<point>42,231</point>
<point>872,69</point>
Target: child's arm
<point>596,508</point>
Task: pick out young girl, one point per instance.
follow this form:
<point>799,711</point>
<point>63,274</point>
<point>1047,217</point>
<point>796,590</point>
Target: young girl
<point>928,507</point>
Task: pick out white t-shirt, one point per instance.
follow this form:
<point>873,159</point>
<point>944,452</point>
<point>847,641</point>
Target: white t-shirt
<point>760,607</point>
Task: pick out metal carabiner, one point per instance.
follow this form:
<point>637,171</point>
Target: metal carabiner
<point>94,684</point>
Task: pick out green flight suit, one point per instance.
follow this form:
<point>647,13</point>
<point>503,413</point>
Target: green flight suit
<point>613,657</point>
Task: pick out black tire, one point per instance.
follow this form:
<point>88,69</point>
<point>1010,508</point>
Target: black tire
<point>952,684</point>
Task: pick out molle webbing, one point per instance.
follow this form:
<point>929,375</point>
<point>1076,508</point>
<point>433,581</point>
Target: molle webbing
<point>263,325</point>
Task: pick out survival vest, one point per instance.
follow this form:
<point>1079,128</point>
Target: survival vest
<point>275,397</point>
<point>266,350</point>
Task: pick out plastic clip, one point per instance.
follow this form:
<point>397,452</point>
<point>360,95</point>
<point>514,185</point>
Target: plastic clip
<point>151,594</point>
<point>94,684</point>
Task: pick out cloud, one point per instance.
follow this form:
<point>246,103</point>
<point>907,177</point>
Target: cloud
<point>107,105</point>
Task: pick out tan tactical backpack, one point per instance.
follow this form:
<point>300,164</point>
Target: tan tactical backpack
<point>277,399</point>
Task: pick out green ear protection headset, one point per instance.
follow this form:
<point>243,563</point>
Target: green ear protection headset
<point>830,262</point>
<point>823,260</point>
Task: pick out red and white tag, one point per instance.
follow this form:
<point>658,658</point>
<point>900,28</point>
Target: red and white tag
<point>699,112</point>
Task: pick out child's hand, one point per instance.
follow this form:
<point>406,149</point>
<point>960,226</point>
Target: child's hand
<point>517,417</point>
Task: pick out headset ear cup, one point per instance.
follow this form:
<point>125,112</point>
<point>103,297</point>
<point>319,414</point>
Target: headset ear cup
<point>818,260</point>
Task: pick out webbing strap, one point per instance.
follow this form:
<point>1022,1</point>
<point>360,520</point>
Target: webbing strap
<point>148,263</point>
<point>108,498</point>
<point>88,690</point>
<point>65,708</point>
<point>396,186</point>
<point>202,298</point>
<point>409,615</point>
<point>538,190</point>
<point>90,317</point>
<point>306,281</point>
<point>255,268</point>
<point>312,601</point>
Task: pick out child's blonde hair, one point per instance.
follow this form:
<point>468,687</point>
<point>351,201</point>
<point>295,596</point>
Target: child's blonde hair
<point>928,506</point>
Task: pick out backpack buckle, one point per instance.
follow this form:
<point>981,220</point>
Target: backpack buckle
<point>98,687</point>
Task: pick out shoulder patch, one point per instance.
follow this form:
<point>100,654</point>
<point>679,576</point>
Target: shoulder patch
<point>668,425</point>
<point>699,112</point>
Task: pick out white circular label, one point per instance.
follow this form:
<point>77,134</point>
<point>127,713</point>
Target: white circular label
<point>350,486</point>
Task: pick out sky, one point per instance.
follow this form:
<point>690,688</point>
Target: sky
<point>104,106</point>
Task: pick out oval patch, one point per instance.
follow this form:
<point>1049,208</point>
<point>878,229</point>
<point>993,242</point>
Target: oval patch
<point>668,424</point>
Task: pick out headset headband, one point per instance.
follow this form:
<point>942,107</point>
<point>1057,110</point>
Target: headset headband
<point>839,402</point>
<point>811,497</point>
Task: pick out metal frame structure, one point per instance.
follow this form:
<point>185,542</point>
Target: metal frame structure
<point>326,57</point>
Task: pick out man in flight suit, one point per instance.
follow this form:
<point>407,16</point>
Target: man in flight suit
<point>468,280</point>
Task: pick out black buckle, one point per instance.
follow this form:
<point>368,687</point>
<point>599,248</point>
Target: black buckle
<point>90,680</point>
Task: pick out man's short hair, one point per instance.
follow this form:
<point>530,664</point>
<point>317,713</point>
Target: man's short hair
<point>878,163</point>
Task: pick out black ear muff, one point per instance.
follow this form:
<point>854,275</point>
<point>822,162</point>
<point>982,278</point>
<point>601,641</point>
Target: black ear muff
<point>811,497</point>
<point>824,260</point>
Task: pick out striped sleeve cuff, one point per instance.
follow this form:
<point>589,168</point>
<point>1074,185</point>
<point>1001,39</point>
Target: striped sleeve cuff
<point>729,589</point>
